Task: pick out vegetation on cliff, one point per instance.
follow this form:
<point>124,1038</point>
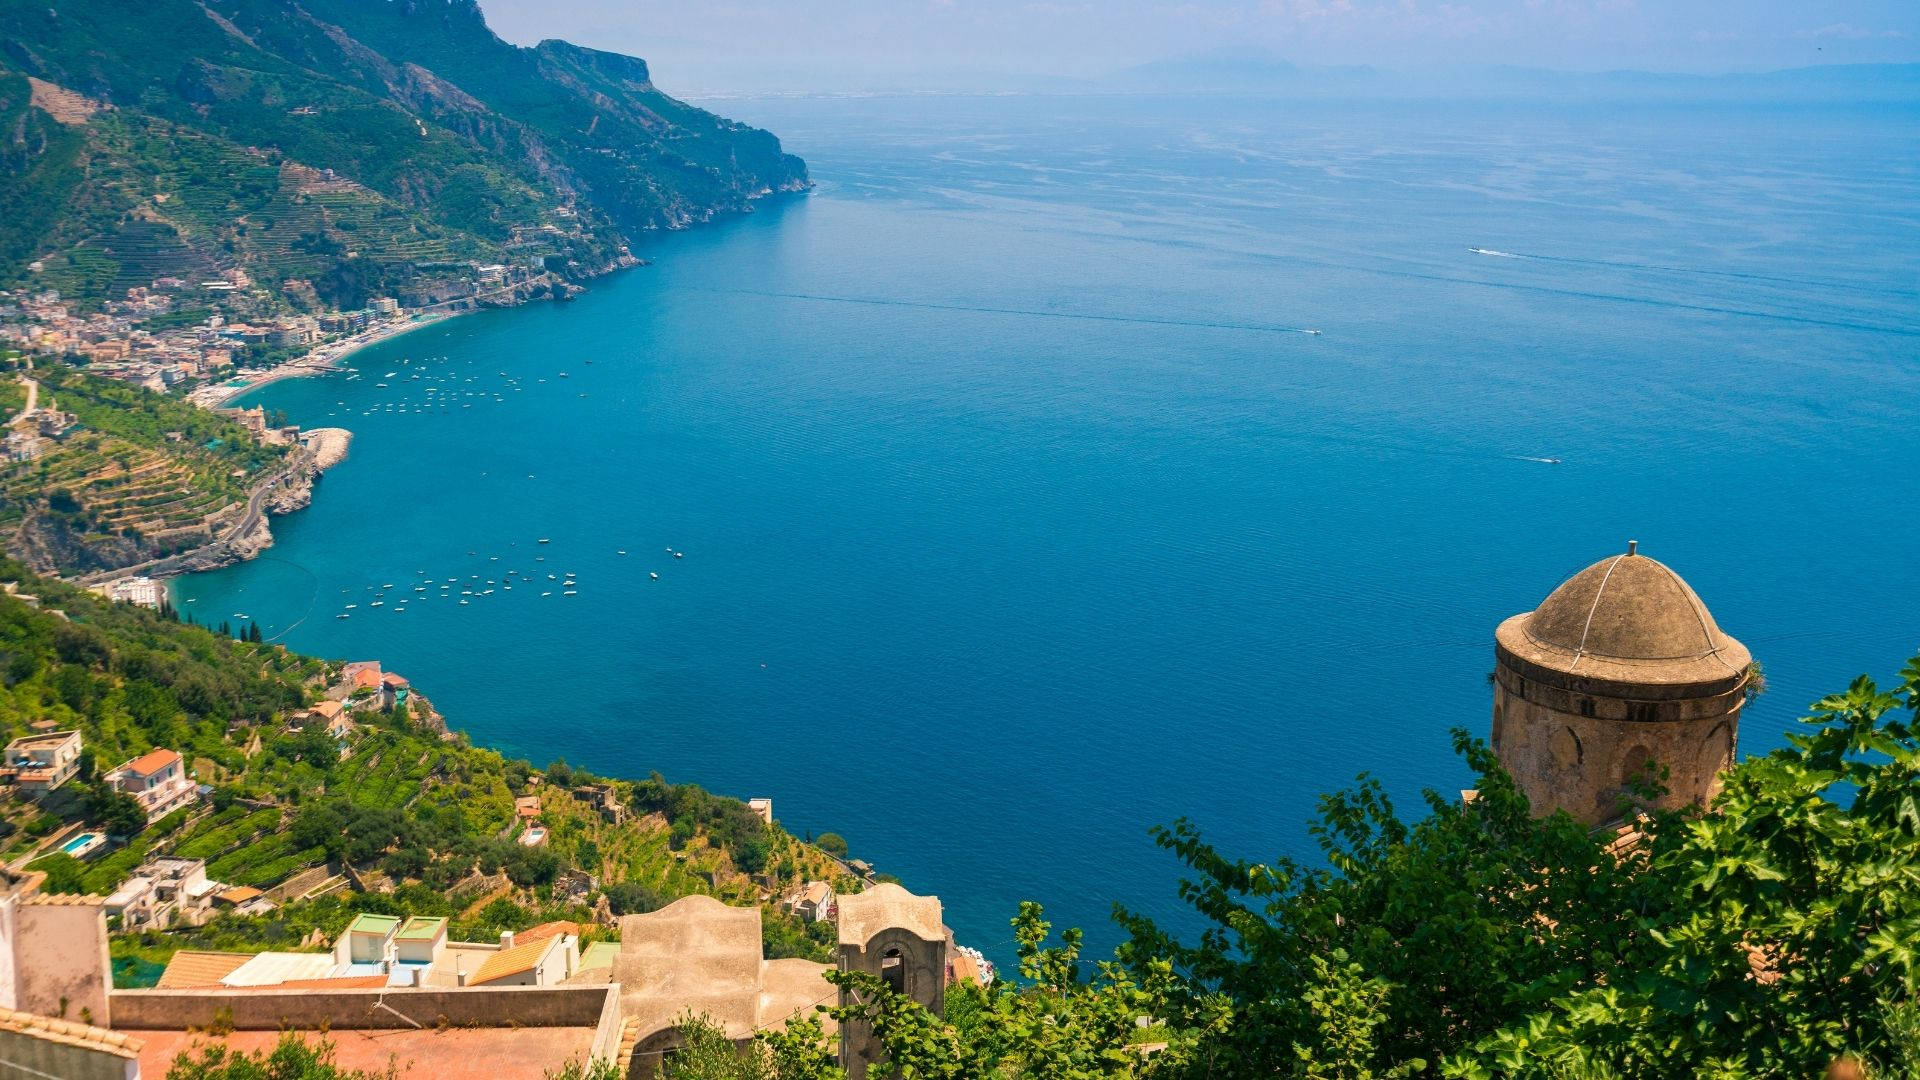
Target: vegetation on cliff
<point>1773,935</point>
<point>424,821</point>
<point>139,476</point>
<point>336,142</point>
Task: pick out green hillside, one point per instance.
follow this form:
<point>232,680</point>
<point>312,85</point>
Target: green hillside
<point>427,821</point>
<point>340,142</point>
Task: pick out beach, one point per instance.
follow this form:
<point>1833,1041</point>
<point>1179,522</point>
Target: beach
<point>318,361</point>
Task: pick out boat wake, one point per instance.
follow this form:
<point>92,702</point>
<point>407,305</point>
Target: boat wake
<point>1537,460</point>
<point>1495,254</point>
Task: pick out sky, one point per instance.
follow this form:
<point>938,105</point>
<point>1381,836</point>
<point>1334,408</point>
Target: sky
<point>757,45</point>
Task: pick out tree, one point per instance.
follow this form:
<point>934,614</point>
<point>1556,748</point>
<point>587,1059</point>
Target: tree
<point>633,898</point>
<point>116,812</point>
<point>832,843</point>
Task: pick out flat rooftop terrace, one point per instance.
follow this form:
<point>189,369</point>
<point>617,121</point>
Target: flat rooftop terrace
<point>527,1053</point>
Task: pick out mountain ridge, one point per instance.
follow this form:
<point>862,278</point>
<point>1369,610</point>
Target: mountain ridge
<point>468,148</point>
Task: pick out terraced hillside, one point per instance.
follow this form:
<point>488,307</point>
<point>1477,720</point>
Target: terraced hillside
<point>140,475</point>
<point>343,143</point>
<point>394,817</point>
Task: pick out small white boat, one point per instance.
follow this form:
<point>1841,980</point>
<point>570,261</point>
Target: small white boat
<point>350,607</point>
<point>463,601</point>
<point>679,554</point>
<point>544,540</point>
<point>653,575</point>
<point>378,603</point>
<point>546,594</point>
<point>569,592</point>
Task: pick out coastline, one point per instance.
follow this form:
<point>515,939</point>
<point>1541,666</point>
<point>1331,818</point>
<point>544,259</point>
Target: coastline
<point>320,360</point>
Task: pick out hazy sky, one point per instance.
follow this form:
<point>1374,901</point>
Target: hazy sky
<point>853,44</point>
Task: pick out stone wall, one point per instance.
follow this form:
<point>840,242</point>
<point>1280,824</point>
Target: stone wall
<point>1582,764</point>
<point>270,1010</point>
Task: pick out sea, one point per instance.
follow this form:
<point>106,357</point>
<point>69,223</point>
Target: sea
<point>1063,467</point>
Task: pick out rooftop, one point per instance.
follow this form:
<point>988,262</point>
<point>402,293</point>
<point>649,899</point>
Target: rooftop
<point>369,923</point>
<point>452,1053</point>
<point>35,742</point>
<point>420,928</point>
<point>1626,618</point>
<point>509,962</point>
<point>152,762</point>
<point>864,914</point>
<point>188,970</point>
<point>69,1033</point>
<point>548,929</point>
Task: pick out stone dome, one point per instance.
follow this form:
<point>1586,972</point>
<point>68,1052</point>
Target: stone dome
<point>1627,619</point>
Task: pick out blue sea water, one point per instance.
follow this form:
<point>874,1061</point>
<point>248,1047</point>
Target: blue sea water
<point>1018,517</point>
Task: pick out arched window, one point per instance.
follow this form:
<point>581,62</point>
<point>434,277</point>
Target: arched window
<point>893,971</point>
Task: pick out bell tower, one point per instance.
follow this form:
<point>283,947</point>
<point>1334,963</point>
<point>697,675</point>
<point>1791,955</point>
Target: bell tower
<point>899,937</point>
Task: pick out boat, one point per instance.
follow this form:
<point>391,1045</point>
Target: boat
<point>546,594</point>
<point>654,576</point>
<point>623,551</point>
<point>343,615</point>
<point>563,374</point>
<point>679,554</point>
<point>569,592</point>
<point>350,607</point>
<point>463,601</point>
<point>544,540</point>
<point>240,615</point>
<point>378,603</point>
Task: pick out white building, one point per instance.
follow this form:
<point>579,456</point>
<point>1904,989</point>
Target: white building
<point>41,763</point>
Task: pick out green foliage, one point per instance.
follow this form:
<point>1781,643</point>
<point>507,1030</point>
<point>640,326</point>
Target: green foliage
<point>832,843</point>
<point>294,1058</point>
<point>116,812</point>
<point>215,150</point>
<point>1773,935</point>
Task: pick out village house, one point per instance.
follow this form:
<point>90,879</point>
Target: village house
<point>38,764</point>
<point>605,799</point>
<point>330,716</point>
<point>812,901</point>
<point>157,780</point>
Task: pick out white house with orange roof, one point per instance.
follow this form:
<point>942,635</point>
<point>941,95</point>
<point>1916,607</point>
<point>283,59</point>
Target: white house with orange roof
<point>157,780</point>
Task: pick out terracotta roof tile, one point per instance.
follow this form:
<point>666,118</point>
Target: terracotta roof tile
<point>69,1033</point>
<point>153,761</point>
<point>546,930</point>
<point>508,962</point>
<point>191,970</point>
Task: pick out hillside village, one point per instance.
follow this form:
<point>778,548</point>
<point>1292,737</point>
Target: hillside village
<point>288,825</point>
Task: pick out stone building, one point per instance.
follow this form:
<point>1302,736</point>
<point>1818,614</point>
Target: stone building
<point>1620,668</point>
<point>889,932</point>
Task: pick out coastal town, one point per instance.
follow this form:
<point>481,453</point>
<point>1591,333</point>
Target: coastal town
<point>216,339</point>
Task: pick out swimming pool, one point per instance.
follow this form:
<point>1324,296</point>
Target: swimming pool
<point>85,842</point>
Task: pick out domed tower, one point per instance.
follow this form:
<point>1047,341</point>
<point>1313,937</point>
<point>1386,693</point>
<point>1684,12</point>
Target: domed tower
<point>1621,666</point>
